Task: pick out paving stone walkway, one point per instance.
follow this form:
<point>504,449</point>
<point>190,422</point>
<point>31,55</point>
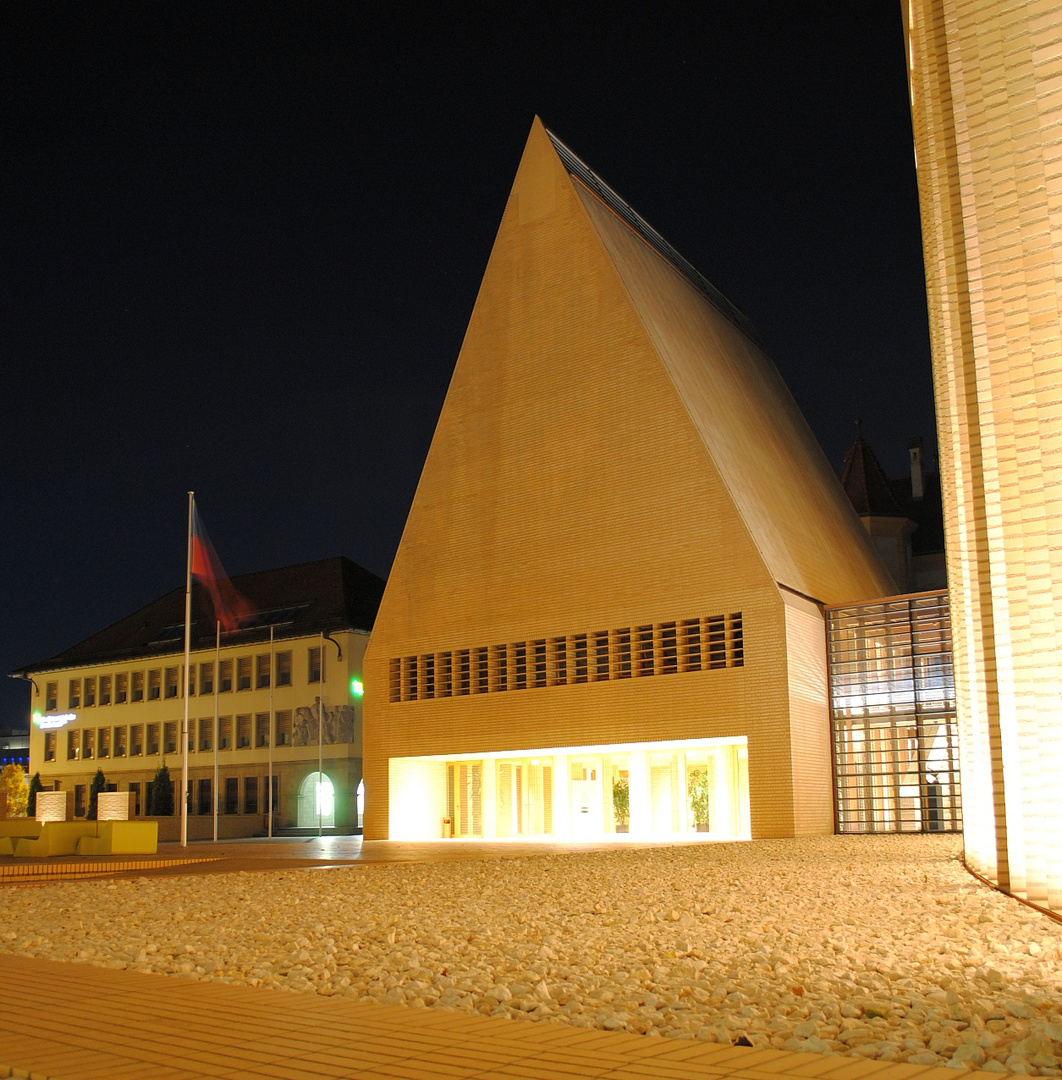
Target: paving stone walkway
<point>63,1021</point>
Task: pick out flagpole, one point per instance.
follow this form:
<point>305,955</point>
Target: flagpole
<point>217,733</point>
<point>187,675</point>
<point>320,741</point>
<point>272,683</point>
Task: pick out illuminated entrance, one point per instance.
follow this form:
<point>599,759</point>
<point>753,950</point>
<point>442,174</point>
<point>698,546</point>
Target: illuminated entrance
<point>317,802</point>
<point>664,790</point>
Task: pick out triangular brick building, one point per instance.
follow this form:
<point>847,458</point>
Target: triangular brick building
<point>604,616</point>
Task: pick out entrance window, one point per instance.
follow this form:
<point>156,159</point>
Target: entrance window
<point>317,802</point>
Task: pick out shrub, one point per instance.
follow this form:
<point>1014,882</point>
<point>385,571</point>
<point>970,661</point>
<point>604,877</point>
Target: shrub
<point>99,783</point>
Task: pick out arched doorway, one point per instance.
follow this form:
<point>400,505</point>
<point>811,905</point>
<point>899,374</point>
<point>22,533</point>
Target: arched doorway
<point>361,803</point>
<point>317,802</point>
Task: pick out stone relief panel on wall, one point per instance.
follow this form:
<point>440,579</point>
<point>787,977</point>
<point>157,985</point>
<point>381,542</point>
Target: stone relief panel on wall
<point>339,724</point>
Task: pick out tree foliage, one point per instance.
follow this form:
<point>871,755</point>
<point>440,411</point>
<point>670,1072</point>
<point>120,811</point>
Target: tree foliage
<point>13,783</point>
<point>35,785</point>
<point>99,783</point>
<point>161,793</point>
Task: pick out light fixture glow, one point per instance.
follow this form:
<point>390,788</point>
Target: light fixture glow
<point>45,723</point>
<point>356,687</point>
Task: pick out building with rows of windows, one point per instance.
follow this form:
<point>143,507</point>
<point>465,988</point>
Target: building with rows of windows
<point>114,702</point>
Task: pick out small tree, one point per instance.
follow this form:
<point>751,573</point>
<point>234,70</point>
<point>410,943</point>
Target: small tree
<point>161,793</point>
<point>700,795</point>
<point>621,800</point>
<point>13,783</point>
<point>99,783</point>
<point>35,785</point>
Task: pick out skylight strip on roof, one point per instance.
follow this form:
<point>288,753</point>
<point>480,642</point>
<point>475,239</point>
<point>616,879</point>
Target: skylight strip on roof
<point>577,167</point>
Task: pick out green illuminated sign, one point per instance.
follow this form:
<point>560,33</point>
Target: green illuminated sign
<point>356,687</point>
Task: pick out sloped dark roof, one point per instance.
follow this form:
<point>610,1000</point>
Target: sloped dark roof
<point>866,484</point>
<point>328,595</point>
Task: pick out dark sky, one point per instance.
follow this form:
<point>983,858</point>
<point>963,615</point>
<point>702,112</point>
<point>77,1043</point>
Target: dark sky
<point>241,243</point>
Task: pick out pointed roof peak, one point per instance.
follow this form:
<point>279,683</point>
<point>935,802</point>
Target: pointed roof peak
<point>582,172</point>
<point>865,482</point>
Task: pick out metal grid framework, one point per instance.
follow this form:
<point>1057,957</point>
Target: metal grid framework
<point>892,716</point>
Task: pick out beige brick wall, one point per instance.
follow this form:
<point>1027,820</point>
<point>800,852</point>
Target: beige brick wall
<point>573,486</point>
<point>986,91</point>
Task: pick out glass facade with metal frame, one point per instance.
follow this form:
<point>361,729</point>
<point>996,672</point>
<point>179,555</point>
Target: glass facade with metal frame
<point>892,716</point>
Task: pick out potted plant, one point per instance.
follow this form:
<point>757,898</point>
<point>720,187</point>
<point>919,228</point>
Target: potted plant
<point>621,803</point>
<point>699,793</point>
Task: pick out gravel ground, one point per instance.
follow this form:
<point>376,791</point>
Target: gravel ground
<point>877,947</point>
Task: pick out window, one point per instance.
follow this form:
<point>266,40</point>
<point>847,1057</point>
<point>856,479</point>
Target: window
<point>283,732</point>
<point>427,664</point>
<point>152,739</point>
<point>520,664</point>
<point>103,742</point>
<point>643,639</point>
<point>171,682</point>
<point>121,688</point>
<point>580,658</point>
<point>51,697</point>
<point>105,689</point>
<point>539,649</point>
<point>232,794</point>
<point>737,642</point>
<point>716,642</point>
<point>261,670</point>
<point>90,692</point>
<point>276,794</point>
<point>136,740</point>
<point>73,745</point>
<point>169,732</point>
<point>394,681</point>
<point>154,684</point>
<point>225,733</point>
<point>135,789</point>
<point>88,743</point>
<point>206,799</point>
<point>243,673</point>
<point>206,678</point>
<point>137,693</point>
<point>462,672</point>
<point>411,678</point>
<point>559,649</point>
<point>250,795</point>
<point>499,675</point>
<point>49,745</point>
<point>313,664</point>
<point>668,648</point>
<point>243,731</point>
<point>225,676</point>
<point>191,684</point>
<point>444,674</point>
<point>283,662</point>
<point>79,800</point>
<point>74,697</point>
<point>206,734</point>
<point>261,729</point>
<point>482,671</point>
<point>691,644</point>
<point>601,656</point>
<point>119,741</point>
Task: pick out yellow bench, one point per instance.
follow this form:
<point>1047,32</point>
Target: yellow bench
<point>56,838</point>
<point>20,826</point>
<point>121,838</point>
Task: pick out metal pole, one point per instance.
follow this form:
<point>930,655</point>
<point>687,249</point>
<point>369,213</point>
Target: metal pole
<point>187,675</point>
<point>272,683</point>
<point>217,733</point>
<point>320,740</point>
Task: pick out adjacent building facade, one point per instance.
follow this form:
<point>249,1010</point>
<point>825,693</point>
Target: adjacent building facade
<point>115,702</point>
<point>605,616</point>
<point>986,102</point>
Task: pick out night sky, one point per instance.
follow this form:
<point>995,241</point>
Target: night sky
<point>241,244</point>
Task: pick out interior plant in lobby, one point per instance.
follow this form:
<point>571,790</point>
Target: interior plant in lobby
<point>621,803</point>
<point>99,783</point>
<point>161,804</point>
<point>699,793</point>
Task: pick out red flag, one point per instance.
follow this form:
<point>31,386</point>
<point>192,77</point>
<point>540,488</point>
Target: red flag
<point>229,606</point>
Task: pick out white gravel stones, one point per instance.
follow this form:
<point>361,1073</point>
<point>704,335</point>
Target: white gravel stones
<point>875,947</point>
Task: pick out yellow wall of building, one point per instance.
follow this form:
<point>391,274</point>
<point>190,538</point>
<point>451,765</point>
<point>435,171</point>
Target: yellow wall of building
<point>986,97</point>
<point>291,762</point>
